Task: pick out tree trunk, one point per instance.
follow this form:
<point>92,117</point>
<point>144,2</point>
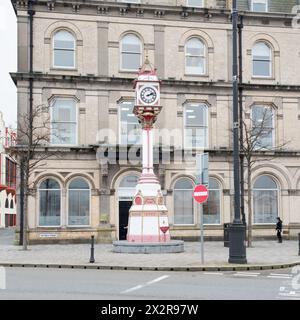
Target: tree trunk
<point>25,223</point>
<point>249,193</point>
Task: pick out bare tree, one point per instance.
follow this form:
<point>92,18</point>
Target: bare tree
<point>257,140</point>
<point>30,153</point>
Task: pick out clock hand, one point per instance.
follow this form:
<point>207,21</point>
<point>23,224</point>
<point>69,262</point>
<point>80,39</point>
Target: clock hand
<point>150,94</point>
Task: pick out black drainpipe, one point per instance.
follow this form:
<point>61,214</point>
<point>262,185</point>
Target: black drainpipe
<point>31,13</point>
<point>240,87</point>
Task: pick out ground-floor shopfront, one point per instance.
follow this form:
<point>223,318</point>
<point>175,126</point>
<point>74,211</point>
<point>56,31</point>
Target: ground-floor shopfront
<point>79,195</point>
<point>7,207</point>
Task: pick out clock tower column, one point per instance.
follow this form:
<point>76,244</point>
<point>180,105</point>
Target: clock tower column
<point>148,217</point>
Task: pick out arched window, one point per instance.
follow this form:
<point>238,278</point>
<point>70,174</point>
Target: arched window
<point>63,49</point>
<point>11,204</point>
<point>50,203</point>
<point>79,203</point>
<point>262,127</point>
<point>212,208</point>
<point>265,200</point>
<point>64,122</point>
<point>130,128</point>
<point>195,61</point>
<point>6,203</point>
<point>131,52</point>
<point>262,60</point>
<point>127,189</point>
<point>195,125</point>
<point>183,202</point>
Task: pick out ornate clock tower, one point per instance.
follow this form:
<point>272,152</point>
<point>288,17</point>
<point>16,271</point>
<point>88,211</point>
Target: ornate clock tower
<point>148,217</point>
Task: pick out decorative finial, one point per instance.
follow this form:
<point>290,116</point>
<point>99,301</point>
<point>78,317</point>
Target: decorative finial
<point>147,66</point>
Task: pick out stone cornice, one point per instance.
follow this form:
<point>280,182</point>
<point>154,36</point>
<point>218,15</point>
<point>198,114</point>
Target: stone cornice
<point>106,8</point>
<point>162,149</point>
<point>106,81</point>
<point>38,76</point>
<point>215,151</point>
<point>266,87</point>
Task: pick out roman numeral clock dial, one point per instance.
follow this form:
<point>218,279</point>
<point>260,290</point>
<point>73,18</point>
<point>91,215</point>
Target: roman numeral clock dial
<point>148,95</point>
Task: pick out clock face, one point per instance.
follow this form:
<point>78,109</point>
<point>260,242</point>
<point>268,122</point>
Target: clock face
<point>148,95</point>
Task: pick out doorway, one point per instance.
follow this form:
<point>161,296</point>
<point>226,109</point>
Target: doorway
<point>124,207</point>
<point>126,192</point>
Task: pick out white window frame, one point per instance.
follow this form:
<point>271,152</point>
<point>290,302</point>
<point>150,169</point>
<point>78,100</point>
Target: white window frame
<point>198,105</point>
<point>38,206</point>
<point>120,124</point>
<point>266,2</point>
<point>204,57</point>
<point>193,6</point>
<point>121,53</point>
<point>194,206</point>
<point>273,123</point>
<point>76,122</point>
<point>74,52</point>
<point>67,204</point>
<point>270,62</point>
<point>278,199</point>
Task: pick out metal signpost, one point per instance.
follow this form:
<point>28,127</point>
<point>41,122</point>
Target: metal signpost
<point>200,195</point>
<point>201,179</point>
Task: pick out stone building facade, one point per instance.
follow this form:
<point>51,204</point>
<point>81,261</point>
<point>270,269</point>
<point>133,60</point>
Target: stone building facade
<point>85,58</point>
<point>8,168</point>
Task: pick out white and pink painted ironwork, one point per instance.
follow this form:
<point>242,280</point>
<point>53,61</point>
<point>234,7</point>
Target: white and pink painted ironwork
<point>148,215</point>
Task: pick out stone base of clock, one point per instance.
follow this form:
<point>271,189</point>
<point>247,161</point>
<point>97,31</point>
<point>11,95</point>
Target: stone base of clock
<point>174,246</point>
<point>148,225</point>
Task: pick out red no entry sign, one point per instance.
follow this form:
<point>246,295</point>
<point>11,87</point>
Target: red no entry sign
<point>200,193</point>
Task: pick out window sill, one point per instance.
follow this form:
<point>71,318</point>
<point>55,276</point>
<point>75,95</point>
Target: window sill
<point>188,6</point>
<point>265,149</point>
<point>63,69</point>
<point>62,228</point>
<point>129,71</point>
<point>78,227</point>
<point>256,11</point>
<point>50,227</point>
<point>259,226</point>
<point>262,78</point>
<point>196,75</point>
<point>195,148</point>
<point>183,226</point>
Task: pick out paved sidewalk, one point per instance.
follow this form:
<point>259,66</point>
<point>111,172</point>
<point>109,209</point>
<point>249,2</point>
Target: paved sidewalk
<point>263,253</point>
<point>7,236</point>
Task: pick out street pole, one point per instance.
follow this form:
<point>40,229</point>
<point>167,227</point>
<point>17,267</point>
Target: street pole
<point>202,232</point>
<point>241,115</point>
<point>21,202</point>
<point>237,248</point>
<point>199,180</point>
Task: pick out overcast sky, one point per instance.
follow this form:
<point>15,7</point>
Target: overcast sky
<point>8,62</point>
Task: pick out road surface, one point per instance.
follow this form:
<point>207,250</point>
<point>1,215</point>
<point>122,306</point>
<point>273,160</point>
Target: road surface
<point>42,283</point>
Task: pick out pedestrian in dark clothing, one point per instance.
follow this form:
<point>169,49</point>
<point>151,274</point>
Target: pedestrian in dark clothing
<point>279,229</point>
